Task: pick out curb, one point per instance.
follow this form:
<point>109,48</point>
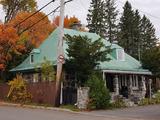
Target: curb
<point>35,107</point>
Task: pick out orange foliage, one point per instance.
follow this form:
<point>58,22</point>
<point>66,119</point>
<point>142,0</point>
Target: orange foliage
<point>67,21</point>
<point>9,44</point>
<point>35,35</point>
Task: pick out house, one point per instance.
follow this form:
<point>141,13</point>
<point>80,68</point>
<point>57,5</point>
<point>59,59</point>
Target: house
<point>123,75</point>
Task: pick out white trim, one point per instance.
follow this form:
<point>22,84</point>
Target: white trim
<point>128,72</point>
<point>122,54</point>
<point>31,58</point>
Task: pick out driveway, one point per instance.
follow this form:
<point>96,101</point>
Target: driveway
<point>17,113</point>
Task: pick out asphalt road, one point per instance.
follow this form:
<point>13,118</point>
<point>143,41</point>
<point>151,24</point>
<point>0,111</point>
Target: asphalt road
<point>144,112</point>
<point>17,113</point>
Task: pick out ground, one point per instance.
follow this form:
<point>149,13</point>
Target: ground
<point>137,113</point>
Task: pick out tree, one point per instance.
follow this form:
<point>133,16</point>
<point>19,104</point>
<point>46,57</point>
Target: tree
<point>111,20</point>
<point>9,46</point>
<point>84,56</point>
<point>9,43</point>
<point>95,17</point>
<point>136,35</point>
<point>129,30</point>
<point>148,37</point>
<point>47,71</point>
<point>12,7</point>
<point>35,35</point>
<point>151,60</point>
<point>68,21</point>
<point>99,96</point>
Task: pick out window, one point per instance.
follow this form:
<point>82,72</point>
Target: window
<point>31,58</point>
<point>135,82</point>
<point>120,55</point>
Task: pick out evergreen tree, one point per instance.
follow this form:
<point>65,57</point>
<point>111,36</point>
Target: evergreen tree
<point>136,35</point>
<point>148,37</point>
<point>84,55</point>
<point>111,19</point>
<point>95,17</point>
<point>126,36</point>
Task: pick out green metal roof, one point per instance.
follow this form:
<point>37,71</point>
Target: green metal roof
<point>48,49</point>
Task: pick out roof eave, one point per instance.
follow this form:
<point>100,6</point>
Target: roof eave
<point>128,72</point>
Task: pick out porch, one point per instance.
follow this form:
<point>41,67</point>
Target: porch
<point>133,86</point>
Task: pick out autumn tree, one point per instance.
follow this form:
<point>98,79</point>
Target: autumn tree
<point>9,45</point>
<point>12,7</point>
<point>68,21</point>
<point>32,36</point>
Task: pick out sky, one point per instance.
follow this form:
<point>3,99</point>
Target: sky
<point>79,8</point>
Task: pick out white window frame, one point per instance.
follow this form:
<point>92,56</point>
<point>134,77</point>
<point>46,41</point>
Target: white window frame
<point>135,82</point>
<point>31,61</point>
<point>122,56</point>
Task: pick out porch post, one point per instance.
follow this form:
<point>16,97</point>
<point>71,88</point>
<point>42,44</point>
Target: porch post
<point>150,89</point>
<point>104,78</point>
<point>130,90</point>
<point>116,85</point>
<point>143,86</point>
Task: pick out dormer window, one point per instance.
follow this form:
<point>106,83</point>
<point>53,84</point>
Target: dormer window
<point>120,54</point>
<point>31,58</point>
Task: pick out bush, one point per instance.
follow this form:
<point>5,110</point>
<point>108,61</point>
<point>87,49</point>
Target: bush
<point>18,92</point>
<point>118,103</point>
<point>147,101</point>
<point>99,97</point>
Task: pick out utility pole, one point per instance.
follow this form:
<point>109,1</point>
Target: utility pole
<point>60,54</point>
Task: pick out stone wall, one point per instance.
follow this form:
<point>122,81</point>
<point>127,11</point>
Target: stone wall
<point>82,97</point>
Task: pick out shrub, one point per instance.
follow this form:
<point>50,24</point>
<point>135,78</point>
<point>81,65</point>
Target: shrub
<point>147,101</point>
<point>118,103</point>
<point>99,97</point>
<point>18,92</point>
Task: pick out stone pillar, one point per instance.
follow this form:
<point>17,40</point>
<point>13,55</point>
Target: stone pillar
<point>130,90</point>
<point>116,85</point>
<point>82,97</point>
<point>143,87</point>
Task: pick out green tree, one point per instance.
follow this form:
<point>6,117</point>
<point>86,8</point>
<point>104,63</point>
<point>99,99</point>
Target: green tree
<point>99,96</point>
<point>111,20</point>
<point>151,60</point>
<point>12,7</point>
<point>84,56</point>
<point>148,37</point>
<point>128,26</point>
<point>95,17</point>
<point>136,35</point>
<point>47,71</point>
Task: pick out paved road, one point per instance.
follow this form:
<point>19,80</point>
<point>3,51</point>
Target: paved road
<point>144,112</point>
<point>16,113</point>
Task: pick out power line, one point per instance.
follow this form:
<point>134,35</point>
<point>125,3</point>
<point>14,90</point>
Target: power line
<point>43,17</point>
<point>34,13</point>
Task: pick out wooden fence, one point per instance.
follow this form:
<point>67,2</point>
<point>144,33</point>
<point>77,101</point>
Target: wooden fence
<point>42,92</point>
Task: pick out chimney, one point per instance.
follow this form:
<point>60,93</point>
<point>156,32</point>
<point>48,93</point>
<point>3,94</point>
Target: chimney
<point>76,26</point>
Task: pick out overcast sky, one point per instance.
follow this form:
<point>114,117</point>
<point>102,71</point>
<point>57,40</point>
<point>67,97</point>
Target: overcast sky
<point>79,8</point>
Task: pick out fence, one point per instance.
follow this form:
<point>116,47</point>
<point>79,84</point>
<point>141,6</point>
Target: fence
<point>42,92</point>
